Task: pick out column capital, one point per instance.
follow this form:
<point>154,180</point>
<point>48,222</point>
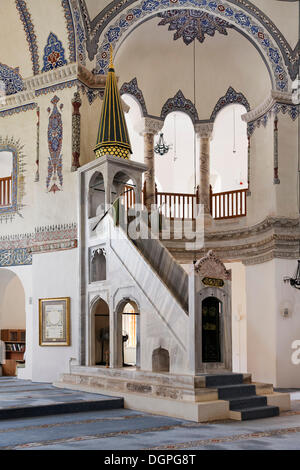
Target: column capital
<point>204,129</point>
<point>149,125</point>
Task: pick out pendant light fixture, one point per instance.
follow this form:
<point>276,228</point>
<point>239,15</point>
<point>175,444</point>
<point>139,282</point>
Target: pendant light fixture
<point>161,147</point>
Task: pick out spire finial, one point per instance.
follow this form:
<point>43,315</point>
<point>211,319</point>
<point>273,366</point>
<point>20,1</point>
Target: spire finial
<point>113,138</point>
<point>111,62</point>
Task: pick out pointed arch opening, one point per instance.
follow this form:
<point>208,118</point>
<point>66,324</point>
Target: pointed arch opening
<point>12,323</point>
<point>175,170</point>
<point>229,150</point>
<point>128,332</point>
<point>100,333</point>
<point>96,196</point>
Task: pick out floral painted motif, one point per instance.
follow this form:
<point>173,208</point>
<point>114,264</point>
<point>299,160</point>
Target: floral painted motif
<point>231,97</point>
<point>132,89</point>
<point>71,31</point>
<point>179,103</point>
<point>54,54</point>
<point>54,179</point>
<point>192,24</point>
<point>245,22</point>
<point>15,257</point>
<point>30,34</point>
<point>11,78</point>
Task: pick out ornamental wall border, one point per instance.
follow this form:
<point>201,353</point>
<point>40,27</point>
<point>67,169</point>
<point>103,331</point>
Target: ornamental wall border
<point>273,238</point>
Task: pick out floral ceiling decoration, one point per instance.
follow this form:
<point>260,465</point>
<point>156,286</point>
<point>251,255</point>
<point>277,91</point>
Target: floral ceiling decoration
<point>11,79</point>
<point>192,24</point>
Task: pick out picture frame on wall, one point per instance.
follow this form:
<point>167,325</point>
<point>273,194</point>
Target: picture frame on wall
<point>54,322</point>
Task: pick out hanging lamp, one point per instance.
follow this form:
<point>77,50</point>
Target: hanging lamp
<point>161,147</point>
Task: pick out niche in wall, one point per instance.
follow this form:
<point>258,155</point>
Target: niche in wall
<point>160,360</point>
<point>97,265</point>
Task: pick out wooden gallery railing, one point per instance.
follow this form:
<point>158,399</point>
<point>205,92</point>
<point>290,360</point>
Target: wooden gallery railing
<point>225,205</point>
<point>229,204</point>
<point>5,191</point>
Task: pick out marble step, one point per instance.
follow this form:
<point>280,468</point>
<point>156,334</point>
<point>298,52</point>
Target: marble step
<point>260,412</point>
<point>247,402</point>
<point>234,391</point>
<point>76,406</point>
<point>216,380</point>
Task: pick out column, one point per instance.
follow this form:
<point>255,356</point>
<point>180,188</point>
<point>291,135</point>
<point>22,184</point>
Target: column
<point>76,103</point>
<point>204,133</point>
<point>149,127</point>
<point>37,174</point>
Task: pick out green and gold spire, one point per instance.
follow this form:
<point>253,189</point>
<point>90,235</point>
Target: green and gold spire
<point>113,138</point>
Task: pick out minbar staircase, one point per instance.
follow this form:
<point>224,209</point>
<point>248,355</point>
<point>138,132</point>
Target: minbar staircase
<point>244,403</point>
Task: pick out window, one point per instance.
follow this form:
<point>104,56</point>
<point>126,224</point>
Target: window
<point>229,148</point>
<point>6,169</point>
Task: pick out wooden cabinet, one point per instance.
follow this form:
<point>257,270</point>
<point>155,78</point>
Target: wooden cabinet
<point>15,345</point>
<point>13,335</point>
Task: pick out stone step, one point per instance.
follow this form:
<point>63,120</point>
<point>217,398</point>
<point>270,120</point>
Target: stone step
<point>172,380</point>
<point>260,412</point>
<point>61,408</point>
<point>216,380</point>
<point>234,391</point>
<point>247,402</point>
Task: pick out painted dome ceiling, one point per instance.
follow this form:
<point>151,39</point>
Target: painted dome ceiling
<point>37,36</point>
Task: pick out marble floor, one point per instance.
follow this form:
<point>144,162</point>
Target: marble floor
<point>122,429</point>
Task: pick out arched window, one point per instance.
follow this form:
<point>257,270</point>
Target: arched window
<point>175,169</point>
<point>129,334</point>
<point>6,169</point>
<point>229,167</point>
<point>133,117</point>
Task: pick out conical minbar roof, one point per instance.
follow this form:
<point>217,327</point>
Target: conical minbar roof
<point>113,138</point>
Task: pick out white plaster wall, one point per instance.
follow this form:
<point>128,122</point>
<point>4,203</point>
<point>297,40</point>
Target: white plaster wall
<point>261,322</point>
<point>133,118</point>
<point>162,66</point>
<point>90,119</point>
<point>262,202</point>
<point>239,317</point>
<point>270,335</point>
<point>288,153</point>
<point>285,15</point>
<point>54,275</point>
<point>14,51</point>
<point>267,198</point>
<point>287,328</point>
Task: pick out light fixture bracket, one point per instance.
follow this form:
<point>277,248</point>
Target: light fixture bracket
<point>294,281</point>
